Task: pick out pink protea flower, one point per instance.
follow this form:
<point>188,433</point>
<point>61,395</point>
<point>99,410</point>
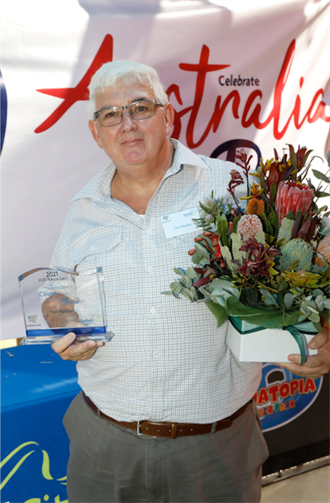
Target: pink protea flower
<point>292,197</point>
<point>248,226</point>
<point>324,249</point>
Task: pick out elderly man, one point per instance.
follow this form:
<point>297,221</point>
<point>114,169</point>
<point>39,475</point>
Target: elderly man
<point>166,412</point>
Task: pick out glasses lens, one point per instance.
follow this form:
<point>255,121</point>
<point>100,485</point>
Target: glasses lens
<point>143,109</point>
<point>110,116</point>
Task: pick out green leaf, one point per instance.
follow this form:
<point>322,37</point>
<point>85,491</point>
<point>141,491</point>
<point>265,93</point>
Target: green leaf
<point>325,315</point>
<point>179,272</point>
<point>228,258</point>
<point>293,157</point>
<point>206,210</point>
<point>262,316</point>
<point>218,311</point>
<point>191,273</point>
<point>315,318</point>
<point>321,194</point>
<point>196,257</point>
<point>273,193</point>
<point>280,301</point>
<point>320,176</point>
<point>312,306</point>
<point>266,224</point>
<point>288,300</point>
<point>176,288</point>
<point>268,296</point>
<point>223,229</point>
<point>273,218</point>
<point>304,309</point>
<point>235,224</point>
<point>319,301</point>
<point>187,282</point>
<point>249,296</point>
<point>290,215</point>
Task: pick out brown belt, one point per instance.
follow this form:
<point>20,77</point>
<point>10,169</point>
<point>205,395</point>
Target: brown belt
<point>171,430</point>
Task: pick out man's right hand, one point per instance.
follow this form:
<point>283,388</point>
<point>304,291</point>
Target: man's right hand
<point>67,349</point>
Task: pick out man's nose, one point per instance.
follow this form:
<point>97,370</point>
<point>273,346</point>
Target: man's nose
<point>128,120</point>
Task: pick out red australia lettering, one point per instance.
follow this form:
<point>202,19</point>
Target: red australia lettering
<point>71,95</point>
<point>251,111</point>
<point>202,68</point>
<point>253,106</point>
<point>275,113</point>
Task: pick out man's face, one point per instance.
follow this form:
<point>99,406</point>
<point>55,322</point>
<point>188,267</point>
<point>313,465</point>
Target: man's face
<point>132,143</point>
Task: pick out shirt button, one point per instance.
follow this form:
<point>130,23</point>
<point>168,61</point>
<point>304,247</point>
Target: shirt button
<point>149,232</point>
<point>152,310</point>
<point>150,269</point>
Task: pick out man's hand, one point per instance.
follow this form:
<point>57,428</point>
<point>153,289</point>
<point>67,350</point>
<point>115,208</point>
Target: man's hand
<point>316,365</point>
<point>67,349</point>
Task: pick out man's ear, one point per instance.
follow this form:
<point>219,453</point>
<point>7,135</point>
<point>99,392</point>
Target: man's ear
<point>169,117</point>
<point>95,133</point>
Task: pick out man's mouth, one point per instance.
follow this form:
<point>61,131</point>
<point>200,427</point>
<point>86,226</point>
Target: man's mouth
<point>132,142</point>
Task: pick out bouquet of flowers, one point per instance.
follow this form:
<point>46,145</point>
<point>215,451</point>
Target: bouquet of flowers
<point>267,263</point>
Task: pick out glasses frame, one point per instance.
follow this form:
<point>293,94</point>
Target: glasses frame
<point>96,114</point>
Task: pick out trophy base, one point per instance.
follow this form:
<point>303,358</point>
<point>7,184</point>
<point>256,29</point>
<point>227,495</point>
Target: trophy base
<point>97,334</point>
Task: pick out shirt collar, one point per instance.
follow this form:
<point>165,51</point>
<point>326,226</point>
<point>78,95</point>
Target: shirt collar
<point>98,188</point>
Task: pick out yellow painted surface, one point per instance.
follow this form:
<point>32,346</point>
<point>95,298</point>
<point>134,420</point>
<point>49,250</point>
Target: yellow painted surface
<point>9,343</point>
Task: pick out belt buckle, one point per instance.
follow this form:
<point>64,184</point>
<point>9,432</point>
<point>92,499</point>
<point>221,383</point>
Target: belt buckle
<point>138,429</point>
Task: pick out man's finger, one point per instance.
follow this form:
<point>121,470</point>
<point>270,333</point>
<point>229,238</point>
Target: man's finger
<point>63,343</point>
<point>81,349</point>
<point>320,339</point>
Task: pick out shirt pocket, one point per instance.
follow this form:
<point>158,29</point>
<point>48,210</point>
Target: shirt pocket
<point>114,253</point>
<point>90,250</point>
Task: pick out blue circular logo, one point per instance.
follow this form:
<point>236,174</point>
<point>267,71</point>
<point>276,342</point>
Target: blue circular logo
<point>283,396</point>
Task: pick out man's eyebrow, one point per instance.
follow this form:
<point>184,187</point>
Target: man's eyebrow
<point>140,99</point>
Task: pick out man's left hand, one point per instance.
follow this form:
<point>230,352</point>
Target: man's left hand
<point>316,365</point>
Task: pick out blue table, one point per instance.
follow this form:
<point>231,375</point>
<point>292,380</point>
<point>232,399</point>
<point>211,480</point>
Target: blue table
<point>36,389</point>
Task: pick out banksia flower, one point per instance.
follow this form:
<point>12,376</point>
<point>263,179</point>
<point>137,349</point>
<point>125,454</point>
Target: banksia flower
<point>324,249</point>
<point>296,254</point>
<point>255,207</point>
<point>293,197</point>
<point>249,226</point>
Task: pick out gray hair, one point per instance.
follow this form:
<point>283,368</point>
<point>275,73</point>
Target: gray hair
<point>131,73</point>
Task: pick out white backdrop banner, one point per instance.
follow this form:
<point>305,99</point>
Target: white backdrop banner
<point>239,74</point>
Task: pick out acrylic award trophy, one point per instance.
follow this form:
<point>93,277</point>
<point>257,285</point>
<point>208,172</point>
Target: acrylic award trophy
<point>56,302</point>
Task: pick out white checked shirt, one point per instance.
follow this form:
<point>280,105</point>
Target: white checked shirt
<point>168,360</point>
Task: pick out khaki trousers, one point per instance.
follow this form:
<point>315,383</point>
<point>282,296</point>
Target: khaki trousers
<point>109,463</point>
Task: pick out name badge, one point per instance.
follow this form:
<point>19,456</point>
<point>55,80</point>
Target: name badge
<point>179,223</point>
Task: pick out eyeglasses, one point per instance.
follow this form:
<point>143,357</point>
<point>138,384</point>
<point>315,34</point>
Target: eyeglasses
<point>140,110</point>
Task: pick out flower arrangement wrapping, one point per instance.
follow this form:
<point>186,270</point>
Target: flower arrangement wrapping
<point>265,265</point>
